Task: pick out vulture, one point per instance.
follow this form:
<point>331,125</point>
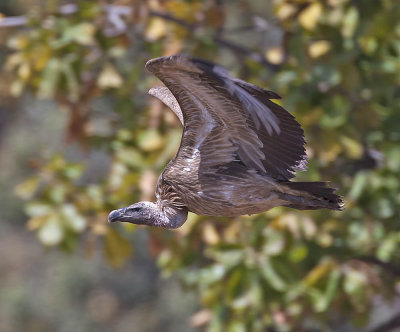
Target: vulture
<point>238,153</point>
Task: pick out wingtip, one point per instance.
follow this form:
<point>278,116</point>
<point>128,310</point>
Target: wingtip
<point>175,62</point>
<point>151,64</point>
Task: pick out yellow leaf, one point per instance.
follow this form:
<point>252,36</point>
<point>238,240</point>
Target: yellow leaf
<point>331,152</point>
<point>99,226</point>
<point>335,3</point>
<point>26,189</point>
<point>40,59</point>
<point>285,10</point>
<point>186,228</point>
<point>232,232</point>
<point>334,16</point>
<point>368,44</point>
<point>109,78</point>
<point>275,55</point>
<point>36,222</point>
<point>325,240</point>
<point>210,235</point>
<point>308,227</point>
<point>319,48</point>
<point>156,29</point>
<point>117,248</point>
<point>309,17</point>
<point>173,46</point>
<point>14,60</point>
<point>184,10</point>
<point>24,71</point>
<point>312,116</point>
<point>352,148</point>
<point>18,43</point>
<point>318,272</point>
<point>17,88</point>
<point>290,221</point>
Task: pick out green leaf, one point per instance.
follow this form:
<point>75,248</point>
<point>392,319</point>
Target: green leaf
<point>71,80</point>
<point>50,78</point>
<point>150,140</point>
<point>388,247</point>
<point>359,183</point>
<point>82,33</point>
<point>354,282</point>
<point>350,22</point>
<point>298,253</point>
<point>37,209</point>
<point>272,277</point>
<point>72,218</point>
<point>324,300</point>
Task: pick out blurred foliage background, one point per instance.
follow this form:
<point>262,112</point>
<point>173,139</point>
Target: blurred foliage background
<point>79,137</point>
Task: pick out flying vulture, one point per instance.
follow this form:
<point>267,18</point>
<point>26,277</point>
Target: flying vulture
<point>238,153</point>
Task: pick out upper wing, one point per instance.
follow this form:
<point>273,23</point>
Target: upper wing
<point>226,118</point>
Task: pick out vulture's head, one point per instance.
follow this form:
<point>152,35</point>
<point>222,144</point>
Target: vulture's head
<point>142,213</point>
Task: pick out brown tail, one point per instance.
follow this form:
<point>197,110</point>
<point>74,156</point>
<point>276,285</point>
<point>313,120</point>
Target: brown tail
<point>324,197</point>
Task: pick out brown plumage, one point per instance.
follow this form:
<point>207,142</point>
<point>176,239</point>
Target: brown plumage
<point>238,152</point>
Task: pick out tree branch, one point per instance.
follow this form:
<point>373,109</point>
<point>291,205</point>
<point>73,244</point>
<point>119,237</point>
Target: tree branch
<point>387,326</point>
<point>115,15</point>
<point>236,48</point>
<point>13,21</point>
<point>392,269</point>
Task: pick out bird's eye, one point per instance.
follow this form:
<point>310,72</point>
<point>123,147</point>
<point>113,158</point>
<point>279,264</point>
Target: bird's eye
<point>135,209</point>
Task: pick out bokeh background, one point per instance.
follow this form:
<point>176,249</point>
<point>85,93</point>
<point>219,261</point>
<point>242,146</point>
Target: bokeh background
<point>79,137</point>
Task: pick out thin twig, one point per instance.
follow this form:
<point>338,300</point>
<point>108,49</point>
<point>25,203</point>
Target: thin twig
<point>168,17</point>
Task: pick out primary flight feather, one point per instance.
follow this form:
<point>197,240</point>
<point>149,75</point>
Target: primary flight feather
<point>238,151</point>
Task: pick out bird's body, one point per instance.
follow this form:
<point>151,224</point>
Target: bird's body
<point>216,192</point>
<point>238,152</point>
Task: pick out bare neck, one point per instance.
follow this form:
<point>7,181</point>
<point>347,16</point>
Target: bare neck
<point>168,217</point>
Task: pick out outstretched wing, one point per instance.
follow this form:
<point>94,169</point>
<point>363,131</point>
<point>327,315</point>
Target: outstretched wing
<point>226,119</point>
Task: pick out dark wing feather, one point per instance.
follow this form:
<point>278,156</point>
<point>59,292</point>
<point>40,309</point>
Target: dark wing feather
<point>214,121</point>
<point>285,152</point>
<point>225,117</point>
